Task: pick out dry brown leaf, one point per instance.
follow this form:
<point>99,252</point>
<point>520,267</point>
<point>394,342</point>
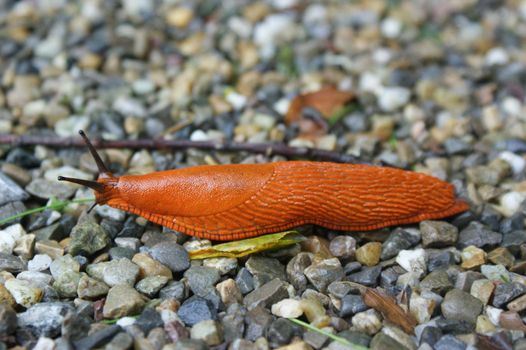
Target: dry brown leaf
<point>387,306</point>
<point>327,101</point>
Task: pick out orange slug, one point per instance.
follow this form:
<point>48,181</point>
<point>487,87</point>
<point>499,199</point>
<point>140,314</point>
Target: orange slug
<point>235,201</point>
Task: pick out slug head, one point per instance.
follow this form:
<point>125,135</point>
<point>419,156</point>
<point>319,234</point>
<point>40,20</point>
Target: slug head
<point>106,182</point>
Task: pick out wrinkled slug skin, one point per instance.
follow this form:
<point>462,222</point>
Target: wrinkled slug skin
<point>226,202</point>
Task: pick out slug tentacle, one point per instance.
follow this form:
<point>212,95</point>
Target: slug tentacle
<point>94,185</point>
<point>105,186</point>
<point>103,170</point>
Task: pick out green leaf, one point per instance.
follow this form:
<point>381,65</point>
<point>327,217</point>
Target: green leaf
<point>334,337</point>
<point>237,249</point>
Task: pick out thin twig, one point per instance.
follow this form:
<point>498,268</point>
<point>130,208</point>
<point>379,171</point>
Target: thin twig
<point>268,149</point>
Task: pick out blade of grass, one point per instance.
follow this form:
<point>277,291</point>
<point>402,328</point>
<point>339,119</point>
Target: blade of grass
<point>55,205</point>
<point>334,337</point>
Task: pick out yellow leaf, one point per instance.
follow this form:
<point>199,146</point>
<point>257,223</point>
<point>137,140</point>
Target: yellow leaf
<point>237,249</point>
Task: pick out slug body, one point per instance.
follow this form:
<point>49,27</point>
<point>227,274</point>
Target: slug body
<point>228,202</point>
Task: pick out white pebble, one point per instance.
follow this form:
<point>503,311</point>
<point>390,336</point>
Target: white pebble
<point>40,262</point>
<point>16,231</point>
<point>412,260</point>
<point>511,201</point>
<point>370,82</point>
<point>126,321</point>
<point>391,28</point>
<point>35,277</point>
<point>237,101</point>
<point>199,135</point>
<point>240,26</point>
<point>265,121</point>
<point>493,314</point>
<point>70,126</point>
<point>143,87</point>
<point>9,237</point>
<point>110,213</point>
<point>496,56</point>
<point>271,31</point>
<point>284,4</point>
<point>44,343</point>
<point>7,243</point>
<point>282,106</point>
<point>129,107</point>
<point>392,98</point>
<point>516,162</point>
<point>512,106</point>
<point>287,308</point>
<point>382,55</point>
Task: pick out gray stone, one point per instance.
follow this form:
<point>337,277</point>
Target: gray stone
<point>174,289</point>
<point>91,289</point>
<point>268,294</point>
<point>265,269</point>
<point>196,309</point>
<point>11,209</point>
<point>436,234</point>
<point>465,280</point>
<point>121,341</point>
<point>382,341</point>
<point>506,292</point>
<point>98,338</point>
<point>117,253</point>
<point>324,272</point>
<point>258,321</point>
<point>368,276</point>
<point>121,271</point>
<point>245,281</point>
<point>62,265</point>
<point>208,330</point>
<point>10,191</point>
<point>296,270</point>
<point>202,279</point>
<point>11,263</point>
<point>122,300</point>
<point>450,342</point>
<point>88,238</point>
<point>8,320</point>
<point>462,306</point>
<point>45,319</point>
<point>478,235</point>
<point>172,255</point>
<point>280,332</point>
<point>352,304</point>
<point>514,240</point>
<point>52,232</point>
<point>67,284</point>
<point>397,241</point>
<point>150,286</point>
<point>45,189</point>
<point>343,247</point>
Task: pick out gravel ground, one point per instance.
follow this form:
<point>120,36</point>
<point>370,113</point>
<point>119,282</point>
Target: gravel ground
<point>438,87</point>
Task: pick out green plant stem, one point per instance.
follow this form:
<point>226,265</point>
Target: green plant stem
<point>340,340</point>
<point>56,205</point>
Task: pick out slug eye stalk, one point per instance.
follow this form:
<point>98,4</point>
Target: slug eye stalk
<point>105,179</point>
<point>94,185</point>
